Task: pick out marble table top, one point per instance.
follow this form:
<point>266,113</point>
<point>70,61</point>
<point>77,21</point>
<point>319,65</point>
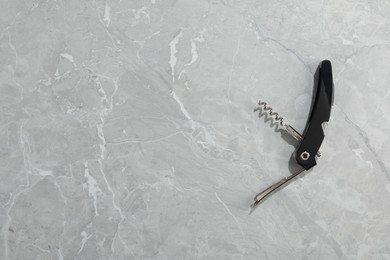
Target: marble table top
<point>128,129</point>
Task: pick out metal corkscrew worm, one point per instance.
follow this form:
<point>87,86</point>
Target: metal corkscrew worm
<point>271,113</point>
<point>291,130</point>
<point>313,135</point>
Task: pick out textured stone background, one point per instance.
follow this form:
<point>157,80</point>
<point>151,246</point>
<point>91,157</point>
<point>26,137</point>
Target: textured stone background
<point>127,129</point>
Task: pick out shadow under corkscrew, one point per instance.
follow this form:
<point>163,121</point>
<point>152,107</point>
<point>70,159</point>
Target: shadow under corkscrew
<point>267,117</point>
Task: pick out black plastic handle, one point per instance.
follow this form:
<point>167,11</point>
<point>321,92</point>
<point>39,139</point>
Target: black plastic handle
<point>320,113</point>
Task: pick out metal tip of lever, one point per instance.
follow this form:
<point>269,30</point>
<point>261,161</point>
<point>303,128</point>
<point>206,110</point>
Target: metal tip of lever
<point>272,189</point>
<point>254,205</point>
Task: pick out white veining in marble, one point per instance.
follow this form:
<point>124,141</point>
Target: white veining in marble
<point>128,129</point>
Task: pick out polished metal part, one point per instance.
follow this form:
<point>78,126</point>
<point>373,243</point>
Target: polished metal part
<point>294,133</point>
<point>305,156</point>
<point>272,189</point>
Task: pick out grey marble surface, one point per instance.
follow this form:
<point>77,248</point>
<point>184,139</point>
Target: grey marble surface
<point>128,130</point>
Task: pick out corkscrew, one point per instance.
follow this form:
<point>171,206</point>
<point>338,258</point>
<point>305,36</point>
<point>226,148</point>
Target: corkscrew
<point>313,135</point>
<point>280,120</point>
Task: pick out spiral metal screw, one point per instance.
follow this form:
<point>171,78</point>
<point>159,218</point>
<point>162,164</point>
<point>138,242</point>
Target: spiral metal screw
<point>275,115</point>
